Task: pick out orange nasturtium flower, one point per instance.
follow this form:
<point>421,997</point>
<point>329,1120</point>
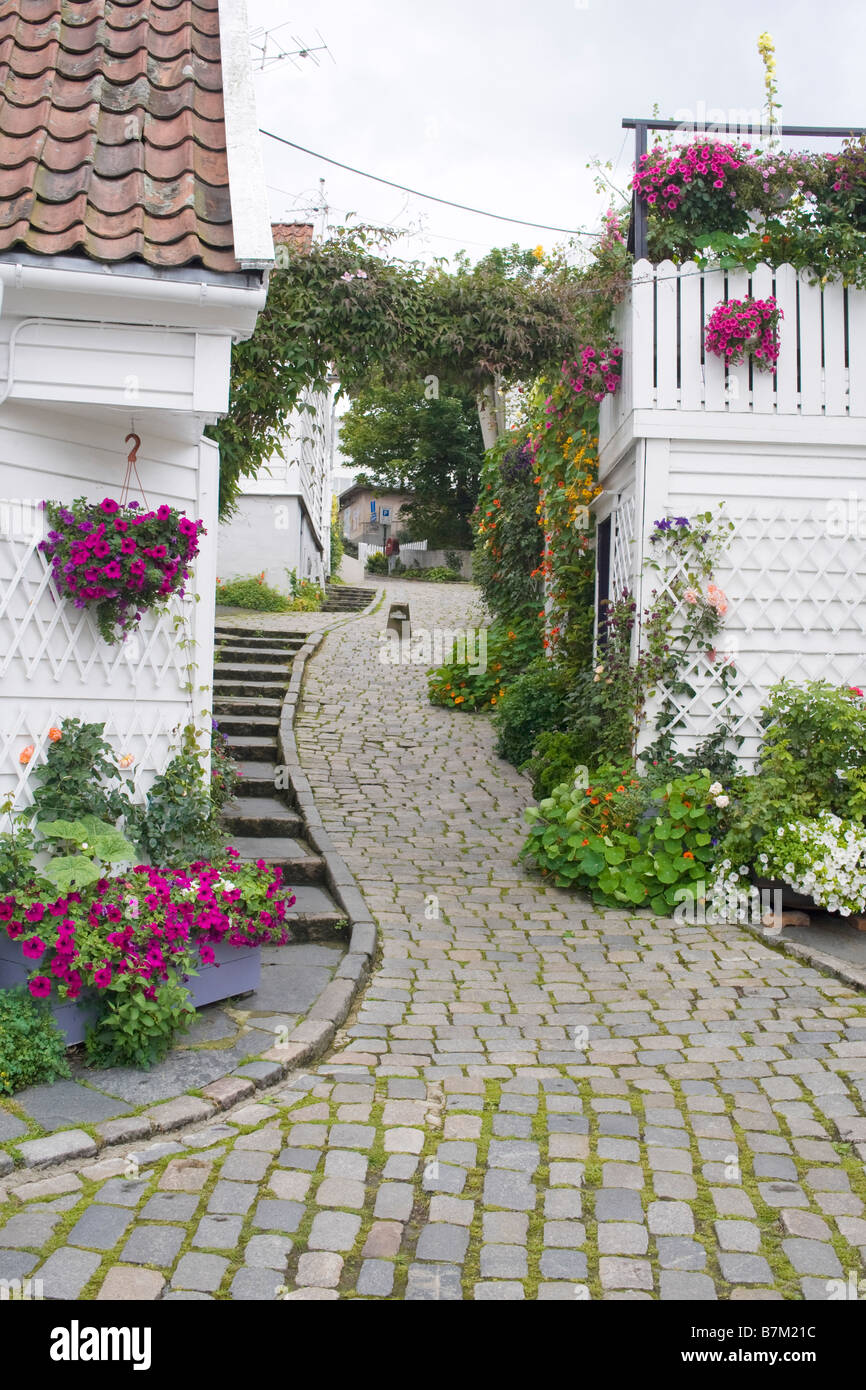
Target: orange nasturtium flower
<point>54,735</point>
<point>26,753</point>
<point>687,854</point>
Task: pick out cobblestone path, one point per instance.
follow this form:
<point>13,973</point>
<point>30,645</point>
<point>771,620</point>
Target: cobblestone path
<point>533,1099</point>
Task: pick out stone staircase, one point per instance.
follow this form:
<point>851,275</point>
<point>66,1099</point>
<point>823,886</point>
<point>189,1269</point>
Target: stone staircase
<point>346,598</point>
<point>251,677</point>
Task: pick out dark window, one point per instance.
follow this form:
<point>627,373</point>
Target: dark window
<point>602,552</point>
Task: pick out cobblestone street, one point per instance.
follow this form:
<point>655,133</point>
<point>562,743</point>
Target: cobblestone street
<point>533,1099</point>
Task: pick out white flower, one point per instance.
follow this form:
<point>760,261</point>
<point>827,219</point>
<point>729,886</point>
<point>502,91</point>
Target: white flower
<point>723,800</point>
<point>716,788</point>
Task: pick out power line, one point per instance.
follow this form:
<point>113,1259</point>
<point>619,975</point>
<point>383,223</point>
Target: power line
<point>431,197</point>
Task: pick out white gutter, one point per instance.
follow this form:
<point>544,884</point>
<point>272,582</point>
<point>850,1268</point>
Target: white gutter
<point>251,223</point>
<point>200,295</point>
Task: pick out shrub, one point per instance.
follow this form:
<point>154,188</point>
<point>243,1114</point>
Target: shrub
<point>32,1047</point>
<point>437,574</point>
<point>626,842</point>
<point>306,595</point>
<point>136,1031</point>
<point>556,757</point>
<point>224,771</point>
<point>532,704</point>
<point>16,850</point>
<point>466,685</point>
<point>253,593</point>
<point>180,823</point>
<point>377,563</point>
<point>823,858</point>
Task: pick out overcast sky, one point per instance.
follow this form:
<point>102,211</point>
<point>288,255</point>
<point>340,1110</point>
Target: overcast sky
<point>502,106</point>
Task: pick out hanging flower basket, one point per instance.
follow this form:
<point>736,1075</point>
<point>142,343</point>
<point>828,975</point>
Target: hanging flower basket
<point>745,328</point>
<point>118,560</point>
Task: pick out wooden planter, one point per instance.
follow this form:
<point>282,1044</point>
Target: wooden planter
<point>233,972</point>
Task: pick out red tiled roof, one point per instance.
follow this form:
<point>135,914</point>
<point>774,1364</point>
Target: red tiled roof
<point>297,235</point>
<point>112,136</point>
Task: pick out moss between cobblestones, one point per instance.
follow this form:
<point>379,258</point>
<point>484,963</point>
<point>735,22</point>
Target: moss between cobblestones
<point>474,1188</point>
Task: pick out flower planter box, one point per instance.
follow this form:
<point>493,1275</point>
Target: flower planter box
<point>790,900</point>
<point>73,1017</point>
<point>233,972</point>
<point>236,970</point>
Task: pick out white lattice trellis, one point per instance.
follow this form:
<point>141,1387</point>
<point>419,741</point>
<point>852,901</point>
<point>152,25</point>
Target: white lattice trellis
<point>797,611</point>
<point>622,546</point>
<point>54,665</point>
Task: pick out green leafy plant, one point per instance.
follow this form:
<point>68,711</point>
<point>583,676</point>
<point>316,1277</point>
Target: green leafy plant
<point>469,685</point>
<point>32,1047</point>
<point>17,848</point>
<point>437,574</point>
<point>97,845</point>
<point>136,1031</point>
<point>181,822</point>
<point>535,702</point>
<point>252,593</point>
<point>80,777</point>
<point>626,842</point>
<point>306,595</point>
<point>377,563</point>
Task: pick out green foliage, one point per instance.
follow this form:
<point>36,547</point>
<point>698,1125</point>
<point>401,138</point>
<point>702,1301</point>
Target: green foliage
<point>16,850</point>
<point>509,540</point>
<point>533,703</point>
<point>32,1047</point>
<point>224,774</point>
<point>437,574</point>
<point>181,821</point>
<point>253,593</point>
<point>470,685</point>
<point>97,844</point>
<point>306,595</point>
<point>134,1031</point>
<point>337,539</point>
<point>79,777</point>
<point>812,759</point>
<point>377,563</point>
<point>555,759</point>
<point>625,842</point>
<point>348,307</point>
<point>401,441</point>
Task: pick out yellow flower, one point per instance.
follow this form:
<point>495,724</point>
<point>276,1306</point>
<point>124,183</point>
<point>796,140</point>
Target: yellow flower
<point>538,253</point>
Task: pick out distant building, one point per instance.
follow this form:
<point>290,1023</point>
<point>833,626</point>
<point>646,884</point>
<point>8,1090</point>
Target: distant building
<point>283,518</point>
<point>369,514</point>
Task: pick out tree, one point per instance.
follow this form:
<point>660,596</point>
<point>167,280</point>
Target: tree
<point>400,440</point>
<point>349,307</point>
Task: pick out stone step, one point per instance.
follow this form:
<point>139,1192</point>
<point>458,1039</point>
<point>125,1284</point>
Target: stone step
<point>258,655</point>
<point>300,863</point>
<point>314,908</point>
<point>225,704</point>
<point>254,816</point>
<point>244,638</point>
<point>252,748</point>
<point>236,690</point>
<point>255,724</point>
<point>232,670</point>
<point>257,779</point>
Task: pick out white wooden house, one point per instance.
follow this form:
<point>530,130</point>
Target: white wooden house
<point>283,518</point>
<point>786,454</point>
<point>134,250</point>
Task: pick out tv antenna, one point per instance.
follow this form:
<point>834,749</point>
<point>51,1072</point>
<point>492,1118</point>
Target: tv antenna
<point>268,49</point>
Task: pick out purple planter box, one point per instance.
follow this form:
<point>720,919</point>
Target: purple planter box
<point>235,971</point>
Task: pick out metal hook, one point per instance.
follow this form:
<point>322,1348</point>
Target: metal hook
<point>133,453</point>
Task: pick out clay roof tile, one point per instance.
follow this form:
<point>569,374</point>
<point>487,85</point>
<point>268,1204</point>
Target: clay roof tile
<point>112,132</point>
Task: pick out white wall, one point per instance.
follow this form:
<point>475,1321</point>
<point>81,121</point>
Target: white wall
<point>271,534</point>
<point>53,663</point>
<point>784,454</point>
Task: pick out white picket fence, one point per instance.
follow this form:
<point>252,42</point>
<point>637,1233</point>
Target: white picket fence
<point>412,545</point>
<point>822,361</point>
<point>365,550</point>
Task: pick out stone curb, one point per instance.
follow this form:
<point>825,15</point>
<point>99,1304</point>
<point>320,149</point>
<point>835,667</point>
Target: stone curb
<point>309,1041</point>
<point>842,970</point>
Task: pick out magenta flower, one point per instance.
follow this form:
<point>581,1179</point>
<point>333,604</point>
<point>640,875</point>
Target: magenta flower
<point>39,986</point>
<point>34,948</point>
